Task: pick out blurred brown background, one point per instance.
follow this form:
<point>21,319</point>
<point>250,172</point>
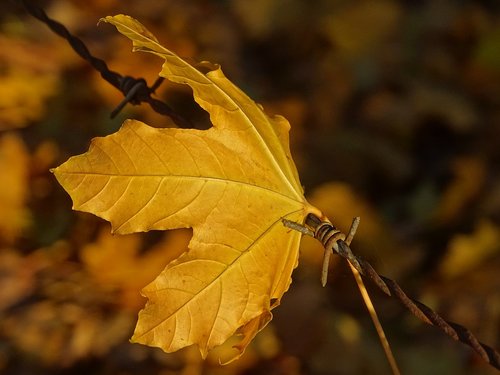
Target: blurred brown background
<point>395,112</point>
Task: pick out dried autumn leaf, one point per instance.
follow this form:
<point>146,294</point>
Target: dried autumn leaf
<point>24,98</point>
<point>465,252</point>
<point>233,184</point>
<point>379,20</point>
<point>115,262</point>
<point>468,180</point>
<point>14,189</point>
<point>29,77</point>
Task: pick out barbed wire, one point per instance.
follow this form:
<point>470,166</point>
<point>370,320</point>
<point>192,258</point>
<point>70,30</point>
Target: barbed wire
<point>134,90</point>
<point>320,229</point>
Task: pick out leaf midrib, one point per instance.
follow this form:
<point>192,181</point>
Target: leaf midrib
<point>192,177</point>
<point>246,118</point>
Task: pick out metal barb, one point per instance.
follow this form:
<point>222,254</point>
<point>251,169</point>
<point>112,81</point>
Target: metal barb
<point>298,227</point>
<point>341,245</point>
<point>135,91</point>
<point>391,288</point>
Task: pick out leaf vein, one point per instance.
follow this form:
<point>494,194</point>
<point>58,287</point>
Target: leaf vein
<point>218,310</point>
<point>151,148</point>
<point>95,195</point>
<point>146,204</point>
<point>119,145</point>
<point>103,151</point>
<point>181,209</point>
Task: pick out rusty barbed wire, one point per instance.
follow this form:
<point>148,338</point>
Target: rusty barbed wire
<point>325,231</point>
<point>134,90</point>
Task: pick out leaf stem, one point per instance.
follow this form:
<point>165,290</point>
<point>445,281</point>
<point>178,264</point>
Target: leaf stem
<point>333,239</point>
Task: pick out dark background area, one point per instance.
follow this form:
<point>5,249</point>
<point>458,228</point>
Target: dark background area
<point>395,113</point>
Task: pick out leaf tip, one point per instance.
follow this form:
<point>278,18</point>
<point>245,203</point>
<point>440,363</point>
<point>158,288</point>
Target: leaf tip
<point>107,19</point>
<point>111,19</point>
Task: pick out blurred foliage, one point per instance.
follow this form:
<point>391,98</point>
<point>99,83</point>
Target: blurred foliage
<point>395,112</point>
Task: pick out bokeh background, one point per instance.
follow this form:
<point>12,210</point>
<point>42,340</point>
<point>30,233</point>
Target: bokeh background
<point>395,113</point>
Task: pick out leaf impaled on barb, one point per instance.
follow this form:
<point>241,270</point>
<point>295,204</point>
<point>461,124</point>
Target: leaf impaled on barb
<point>233,184</point>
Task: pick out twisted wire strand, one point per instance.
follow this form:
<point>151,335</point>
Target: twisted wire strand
<point>456,331</point>
<point>135,90</point>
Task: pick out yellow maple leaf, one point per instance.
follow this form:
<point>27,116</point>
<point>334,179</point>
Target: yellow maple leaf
<point>233,184</point>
